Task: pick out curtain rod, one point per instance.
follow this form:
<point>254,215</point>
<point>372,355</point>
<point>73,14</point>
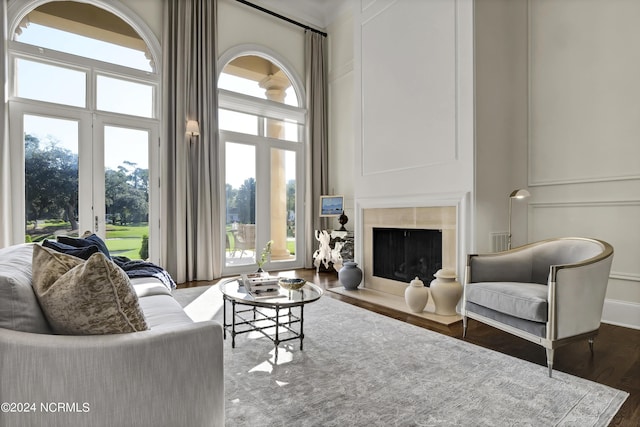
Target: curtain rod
<point>284,18</point>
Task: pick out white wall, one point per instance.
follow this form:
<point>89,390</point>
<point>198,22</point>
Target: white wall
<point>239,24</point>
<point>414,98</point>
<point>584,154</point>
<point>501,118</point>
<point>341,110</point>
<point>150,11</point>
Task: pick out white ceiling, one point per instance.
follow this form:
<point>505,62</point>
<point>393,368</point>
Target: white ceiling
<point>314,13</point>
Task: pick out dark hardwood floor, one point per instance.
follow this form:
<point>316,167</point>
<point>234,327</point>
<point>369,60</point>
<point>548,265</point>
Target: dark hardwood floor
<point>616,359</point>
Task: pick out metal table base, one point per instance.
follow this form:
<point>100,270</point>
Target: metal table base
<point>251,318</point>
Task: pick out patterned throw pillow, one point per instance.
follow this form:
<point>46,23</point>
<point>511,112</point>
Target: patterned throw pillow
<point>93,297</point>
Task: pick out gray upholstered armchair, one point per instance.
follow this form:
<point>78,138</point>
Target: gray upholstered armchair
<point>549,292</point>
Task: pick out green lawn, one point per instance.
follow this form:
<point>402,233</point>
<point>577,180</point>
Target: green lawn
<point>126,240</point>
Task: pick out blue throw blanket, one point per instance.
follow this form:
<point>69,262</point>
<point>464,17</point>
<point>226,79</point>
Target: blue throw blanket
<point>139,268</point>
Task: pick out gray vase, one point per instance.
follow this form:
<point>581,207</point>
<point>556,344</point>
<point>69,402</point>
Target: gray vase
<point>350,275</point>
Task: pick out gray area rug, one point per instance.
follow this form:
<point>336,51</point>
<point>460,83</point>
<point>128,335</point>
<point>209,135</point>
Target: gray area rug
<point>359,368</point>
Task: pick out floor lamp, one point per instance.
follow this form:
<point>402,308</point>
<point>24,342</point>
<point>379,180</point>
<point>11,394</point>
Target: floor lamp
<point>519,195</point>
<point>193,131</point>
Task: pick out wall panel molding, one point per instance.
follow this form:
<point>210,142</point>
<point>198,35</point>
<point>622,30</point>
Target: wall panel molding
<point>585,180</point>
<point>598,219</point>
<point>341,71</point>
<point>372,8</point>
<point>410,94</point>
<point>583,87</point>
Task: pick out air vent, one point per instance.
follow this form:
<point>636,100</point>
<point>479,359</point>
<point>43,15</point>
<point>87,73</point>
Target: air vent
<point>499,242</point>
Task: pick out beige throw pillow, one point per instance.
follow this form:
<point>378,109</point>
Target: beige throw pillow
<point>92,297</point>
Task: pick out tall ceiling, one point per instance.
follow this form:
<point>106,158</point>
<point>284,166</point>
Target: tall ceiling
<point>315,13</point>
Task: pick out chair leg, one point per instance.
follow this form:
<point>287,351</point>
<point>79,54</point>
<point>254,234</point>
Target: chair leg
<point>550,360</point>
<point>591,346</point>
<point>464,326</point>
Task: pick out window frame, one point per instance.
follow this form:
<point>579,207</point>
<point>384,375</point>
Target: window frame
<point>91,67</point>
<point>263,109</point>
<point>89,117</point>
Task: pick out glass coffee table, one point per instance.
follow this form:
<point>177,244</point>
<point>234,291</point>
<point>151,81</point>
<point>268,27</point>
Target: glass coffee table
<point>280,317</point>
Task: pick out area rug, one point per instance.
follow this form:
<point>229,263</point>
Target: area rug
<point>359,368</point>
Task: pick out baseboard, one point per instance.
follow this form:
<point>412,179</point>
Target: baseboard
<point>621,313</point>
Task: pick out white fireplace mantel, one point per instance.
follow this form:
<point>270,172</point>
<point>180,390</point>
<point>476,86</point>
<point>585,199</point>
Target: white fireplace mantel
<point>461,202</point>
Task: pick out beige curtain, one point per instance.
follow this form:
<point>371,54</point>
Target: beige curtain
<point>5,163</point>
<point>317,136</point>
<point>191,248</point>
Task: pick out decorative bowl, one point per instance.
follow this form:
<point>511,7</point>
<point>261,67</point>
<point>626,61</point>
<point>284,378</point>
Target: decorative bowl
<point>292,284</point>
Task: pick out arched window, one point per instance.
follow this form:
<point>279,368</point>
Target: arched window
<point>262,144</point>
<point>84,121</point>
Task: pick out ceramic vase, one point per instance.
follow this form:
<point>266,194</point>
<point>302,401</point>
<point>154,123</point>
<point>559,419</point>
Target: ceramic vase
<point>446,292</point>
<point>416,295</point>
<point>350,275</point>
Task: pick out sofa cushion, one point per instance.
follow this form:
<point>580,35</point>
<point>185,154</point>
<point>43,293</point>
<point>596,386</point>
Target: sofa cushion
<point>163,312</point>
<point>19,307</point>
<point>523,300</point>
<point>92,297</point>
<point>146,286</point>
<point>536,328</point>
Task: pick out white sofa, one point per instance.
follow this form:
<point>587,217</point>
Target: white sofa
<point>169,375</point>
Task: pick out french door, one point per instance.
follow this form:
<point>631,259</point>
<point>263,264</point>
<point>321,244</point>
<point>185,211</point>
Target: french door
<point>82,171</point>
<point>262,180</point>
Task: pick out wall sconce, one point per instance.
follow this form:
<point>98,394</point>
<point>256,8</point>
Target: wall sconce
<point>518,195</point>
<point>193,128</point>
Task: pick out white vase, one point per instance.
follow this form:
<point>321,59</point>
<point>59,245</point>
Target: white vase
<point>416,295</point>
<point>446,292</point>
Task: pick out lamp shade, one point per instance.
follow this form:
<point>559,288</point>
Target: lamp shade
<point>193,128</point>
<point>519,194</point>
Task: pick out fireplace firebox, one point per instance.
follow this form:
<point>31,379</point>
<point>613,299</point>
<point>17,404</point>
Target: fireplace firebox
<point>402,254</point>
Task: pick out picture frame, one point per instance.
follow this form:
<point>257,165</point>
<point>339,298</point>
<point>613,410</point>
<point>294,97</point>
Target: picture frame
<point>331,206</point>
